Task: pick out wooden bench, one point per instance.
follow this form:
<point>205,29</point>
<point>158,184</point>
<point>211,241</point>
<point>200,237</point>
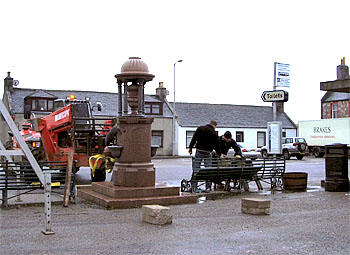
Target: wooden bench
<point>236,172</point>
<point>20,177</point>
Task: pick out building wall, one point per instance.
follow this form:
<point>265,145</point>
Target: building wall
<point>4,136</point>
<point>3,125</point>
<point>250,136</point>
<point>343,109</point>
<point>165,125</point>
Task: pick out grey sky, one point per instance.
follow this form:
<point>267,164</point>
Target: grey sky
<point>228,47</point>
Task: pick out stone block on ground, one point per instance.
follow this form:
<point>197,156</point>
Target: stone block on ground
<point>256,206</point>
<point>156,214</point>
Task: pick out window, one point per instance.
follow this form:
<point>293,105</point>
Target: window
<point>153,108</point>
<point>261,136</point>
<point>157,138</point>
<point>334,109</point>
<point>189,135</point>
<point>287,140</point>
<point>50,105</point>
<point>40,104</point>
<point>240,136</point>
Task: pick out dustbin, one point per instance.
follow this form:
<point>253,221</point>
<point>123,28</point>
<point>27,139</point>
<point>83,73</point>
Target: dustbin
<point>336,167</point>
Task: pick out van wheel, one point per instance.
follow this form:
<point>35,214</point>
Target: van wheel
<point>286,154</point>
<point>317,153</point>
<point>264,154</point>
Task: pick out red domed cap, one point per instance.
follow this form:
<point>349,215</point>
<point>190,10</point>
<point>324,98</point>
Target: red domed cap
<point>134,68</point>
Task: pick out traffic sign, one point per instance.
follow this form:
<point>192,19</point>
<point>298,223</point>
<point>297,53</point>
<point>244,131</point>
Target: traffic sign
<point>275,96</point>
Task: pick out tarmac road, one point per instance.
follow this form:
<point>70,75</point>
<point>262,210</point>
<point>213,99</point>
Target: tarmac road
<point>314,222</point>
<point>173,170</point>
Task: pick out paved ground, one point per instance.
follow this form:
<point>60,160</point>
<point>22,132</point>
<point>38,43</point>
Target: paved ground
<point>313,222</point>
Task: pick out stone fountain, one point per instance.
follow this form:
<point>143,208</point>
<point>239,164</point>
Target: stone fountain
<point>134,173</point>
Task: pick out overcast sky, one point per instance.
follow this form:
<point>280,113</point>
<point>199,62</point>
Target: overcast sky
<point>228,48</point>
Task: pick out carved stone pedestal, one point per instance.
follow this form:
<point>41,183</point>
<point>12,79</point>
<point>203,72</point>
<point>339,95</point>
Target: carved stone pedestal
<point>134,168</point>
<point>134,175</point>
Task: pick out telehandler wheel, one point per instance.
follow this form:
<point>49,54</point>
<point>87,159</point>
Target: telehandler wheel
<point>100,173</point>
<point>100,176</point>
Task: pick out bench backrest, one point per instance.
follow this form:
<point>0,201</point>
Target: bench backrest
<point>271,167</point>
<point>20,175</point>
<point>218,169</point>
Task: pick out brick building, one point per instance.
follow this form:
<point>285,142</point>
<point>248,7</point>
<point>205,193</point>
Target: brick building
<point>336,102</point>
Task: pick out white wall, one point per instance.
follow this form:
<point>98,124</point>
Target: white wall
<point>290,132</point>
<point>182,150</point>
<point>250,136</point>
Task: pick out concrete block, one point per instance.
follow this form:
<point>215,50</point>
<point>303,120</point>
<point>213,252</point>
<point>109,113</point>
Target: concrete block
<point>256,206</point>
<point>256,211</point>
<point>156,214</point>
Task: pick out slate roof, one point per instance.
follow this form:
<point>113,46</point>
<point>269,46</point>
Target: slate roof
<point>109,100</point>
<point>189,114</point>
<point>42,94</point>
<point>245,116</point>
<point>335,96</point>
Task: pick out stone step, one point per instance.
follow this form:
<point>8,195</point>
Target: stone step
<point>110,190</point>
<point>124,203</point>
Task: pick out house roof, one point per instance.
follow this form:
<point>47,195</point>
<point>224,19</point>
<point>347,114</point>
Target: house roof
<point>189,114</point>
<point>109,100</point>
<point>41,93</point>
<point>335,96</point>
<point>245,116</point>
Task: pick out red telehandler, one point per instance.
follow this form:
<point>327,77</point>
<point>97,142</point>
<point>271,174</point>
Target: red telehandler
<point>71,126</point>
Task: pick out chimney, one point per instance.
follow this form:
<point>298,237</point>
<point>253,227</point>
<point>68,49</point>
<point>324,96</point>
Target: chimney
<point>279,106</point>
<point>8,82</point>
<point>161,91</point>
<point>342,71</point>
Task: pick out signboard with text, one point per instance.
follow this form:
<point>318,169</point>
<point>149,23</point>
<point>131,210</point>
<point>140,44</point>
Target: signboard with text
<point>275,96</point>
<point>282,78</point>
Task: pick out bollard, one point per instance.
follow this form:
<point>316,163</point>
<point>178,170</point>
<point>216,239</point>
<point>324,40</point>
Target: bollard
<point>47,187</point>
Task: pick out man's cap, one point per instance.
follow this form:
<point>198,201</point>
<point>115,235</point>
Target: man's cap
<point>228,134</point>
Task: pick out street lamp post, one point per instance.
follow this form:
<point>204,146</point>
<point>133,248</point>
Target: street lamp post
<point>174,120</point>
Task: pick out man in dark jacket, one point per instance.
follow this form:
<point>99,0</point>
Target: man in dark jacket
<point>205,140</point>
<point>225,143</point>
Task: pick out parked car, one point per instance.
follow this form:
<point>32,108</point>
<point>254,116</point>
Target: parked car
<point>248,151</point>
<point>291,146</point>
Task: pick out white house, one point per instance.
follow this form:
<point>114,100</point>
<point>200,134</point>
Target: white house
<point>247,123</point>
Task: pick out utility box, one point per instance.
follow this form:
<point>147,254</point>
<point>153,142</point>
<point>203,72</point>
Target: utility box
<point>337,178</point>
